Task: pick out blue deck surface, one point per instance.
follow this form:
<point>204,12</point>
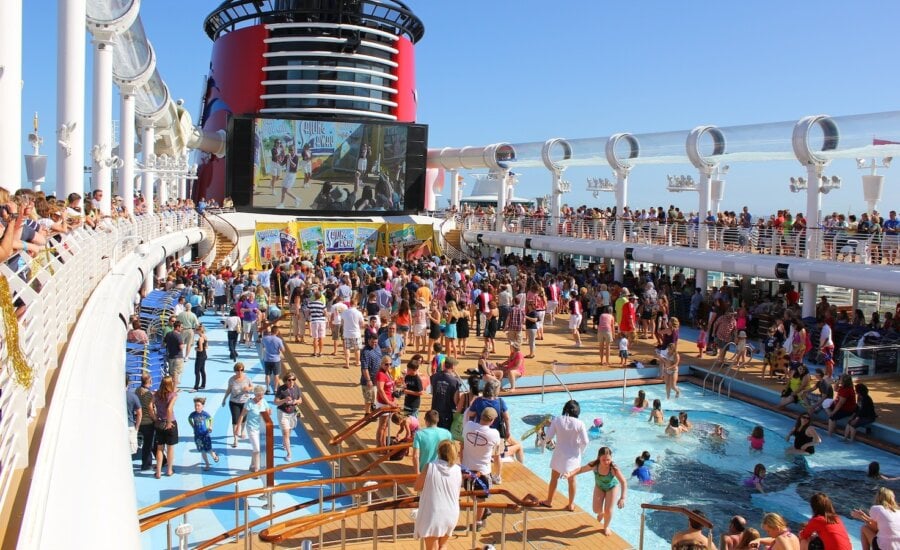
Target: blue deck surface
<point>189,474</point>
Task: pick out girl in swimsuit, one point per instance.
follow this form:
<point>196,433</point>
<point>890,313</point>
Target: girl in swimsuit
<point>640,402</point>
<point>779,534</point>
<point>607,477</point>
<point>656,415</point>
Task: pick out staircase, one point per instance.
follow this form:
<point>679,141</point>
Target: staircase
<point>454,238</point>
<point>223,248</point>
<point>453,244</point>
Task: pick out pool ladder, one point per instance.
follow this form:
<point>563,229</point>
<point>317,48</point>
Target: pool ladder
<point>724,370</point>
<point>555,375</point>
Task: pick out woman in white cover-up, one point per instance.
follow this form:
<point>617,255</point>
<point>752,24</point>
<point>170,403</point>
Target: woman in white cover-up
<point>571,440</point>
<point>438,486</point>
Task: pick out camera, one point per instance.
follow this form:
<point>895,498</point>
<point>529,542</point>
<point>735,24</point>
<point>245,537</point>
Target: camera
<point>398,391</point>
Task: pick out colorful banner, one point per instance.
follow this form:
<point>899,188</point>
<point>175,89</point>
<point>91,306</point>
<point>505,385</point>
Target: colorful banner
<point>366,239</point>
<point>288,244</point>
<point>405,234</point>
<point>310,237</point>
<point>268,242</point>
<point>340,239</point>
<point>294,238</point>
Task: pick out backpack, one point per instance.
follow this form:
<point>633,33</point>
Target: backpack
<point>808,343</point>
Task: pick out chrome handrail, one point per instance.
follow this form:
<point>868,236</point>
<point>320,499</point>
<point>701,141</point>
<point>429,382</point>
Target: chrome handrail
<point>561,383</point>
<point>716,366</point>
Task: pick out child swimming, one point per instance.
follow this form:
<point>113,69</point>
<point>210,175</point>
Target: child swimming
<point>642,472</point>
<point>686,424</point>
<point>756,480</point>
<point>757,439</point>
<point>656,415</point>
<point>597,429</point>
<point>640,402</point>
<point>673,429</point>
<point>718,432</point>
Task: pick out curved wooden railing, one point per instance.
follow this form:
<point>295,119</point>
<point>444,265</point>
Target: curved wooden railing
<point>389,450</point>
<point>698,519</point>
<point>369,417</point>
<point>291,528</point>
<point>366,488</point>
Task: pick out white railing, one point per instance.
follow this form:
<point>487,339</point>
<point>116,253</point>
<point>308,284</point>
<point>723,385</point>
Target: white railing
<point>827,244</point>
<point>223,226</point>
<point>207,247</point>
<point>450,223</point>
<point>48,293</point>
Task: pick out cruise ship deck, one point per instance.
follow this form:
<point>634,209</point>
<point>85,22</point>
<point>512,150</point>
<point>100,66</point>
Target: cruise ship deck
<point>313,133</point>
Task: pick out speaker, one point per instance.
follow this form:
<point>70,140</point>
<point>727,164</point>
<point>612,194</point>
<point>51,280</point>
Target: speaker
<point>239,161</point>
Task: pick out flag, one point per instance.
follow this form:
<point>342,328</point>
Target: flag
<point>876,141</point>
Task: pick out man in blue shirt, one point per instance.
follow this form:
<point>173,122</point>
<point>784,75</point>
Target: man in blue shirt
<point>273,352</point>
<point>891,228</point>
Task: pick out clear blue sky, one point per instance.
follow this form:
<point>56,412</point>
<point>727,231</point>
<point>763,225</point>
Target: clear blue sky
<point>529,70</point>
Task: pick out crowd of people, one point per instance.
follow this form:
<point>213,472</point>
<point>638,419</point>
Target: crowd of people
<point>33,222</point>
<point>408,325</point>
<point>867,238</point>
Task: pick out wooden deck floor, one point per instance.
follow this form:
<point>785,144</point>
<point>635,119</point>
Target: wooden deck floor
<point>333,401</point>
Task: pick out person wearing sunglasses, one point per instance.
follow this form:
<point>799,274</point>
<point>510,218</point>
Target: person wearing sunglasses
<point>288,398</point>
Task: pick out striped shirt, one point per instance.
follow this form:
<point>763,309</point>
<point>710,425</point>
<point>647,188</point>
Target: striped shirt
<point>316,311</point>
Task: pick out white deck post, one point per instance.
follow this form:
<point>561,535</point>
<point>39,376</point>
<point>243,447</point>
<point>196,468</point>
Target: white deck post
<point>70,80</point>
<point>11,94</point>
<point>101,124</point>
<point>148,137</point>
<point>126,147</point>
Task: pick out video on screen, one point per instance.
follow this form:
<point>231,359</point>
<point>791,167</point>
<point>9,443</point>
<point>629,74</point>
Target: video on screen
<point>329,166</point>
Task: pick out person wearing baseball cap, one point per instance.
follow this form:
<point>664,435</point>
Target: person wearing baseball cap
<point>481,444</point>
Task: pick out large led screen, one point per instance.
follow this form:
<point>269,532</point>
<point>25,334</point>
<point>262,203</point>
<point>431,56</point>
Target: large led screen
<point>331,166</point>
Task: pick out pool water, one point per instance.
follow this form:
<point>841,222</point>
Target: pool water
<point>697,471</point>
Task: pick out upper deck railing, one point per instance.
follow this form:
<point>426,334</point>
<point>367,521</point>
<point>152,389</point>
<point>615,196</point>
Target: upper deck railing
<point>45,298</point>
<point>827,244</point>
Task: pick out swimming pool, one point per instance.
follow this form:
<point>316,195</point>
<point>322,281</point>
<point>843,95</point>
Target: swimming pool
<point>696,471</point>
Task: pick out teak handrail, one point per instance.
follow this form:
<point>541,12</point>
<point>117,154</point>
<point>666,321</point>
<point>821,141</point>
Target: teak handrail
<point>680,510</point>
<point>280,532</point>
<point>292,527</point>
<point>370,416</point>
<point>157,519</point>
<point>178,498</point>
<point>290,509</point>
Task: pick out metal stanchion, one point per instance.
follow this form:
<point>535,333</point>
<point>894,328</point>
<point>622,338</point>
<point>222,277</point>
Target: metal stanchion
<point>375,530</point>
<point>525,528</point>
<point>395,514</point>
<point>237,504</point>
<point>321,511</point>
<point>641,545</point>
<point>247,523</point>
